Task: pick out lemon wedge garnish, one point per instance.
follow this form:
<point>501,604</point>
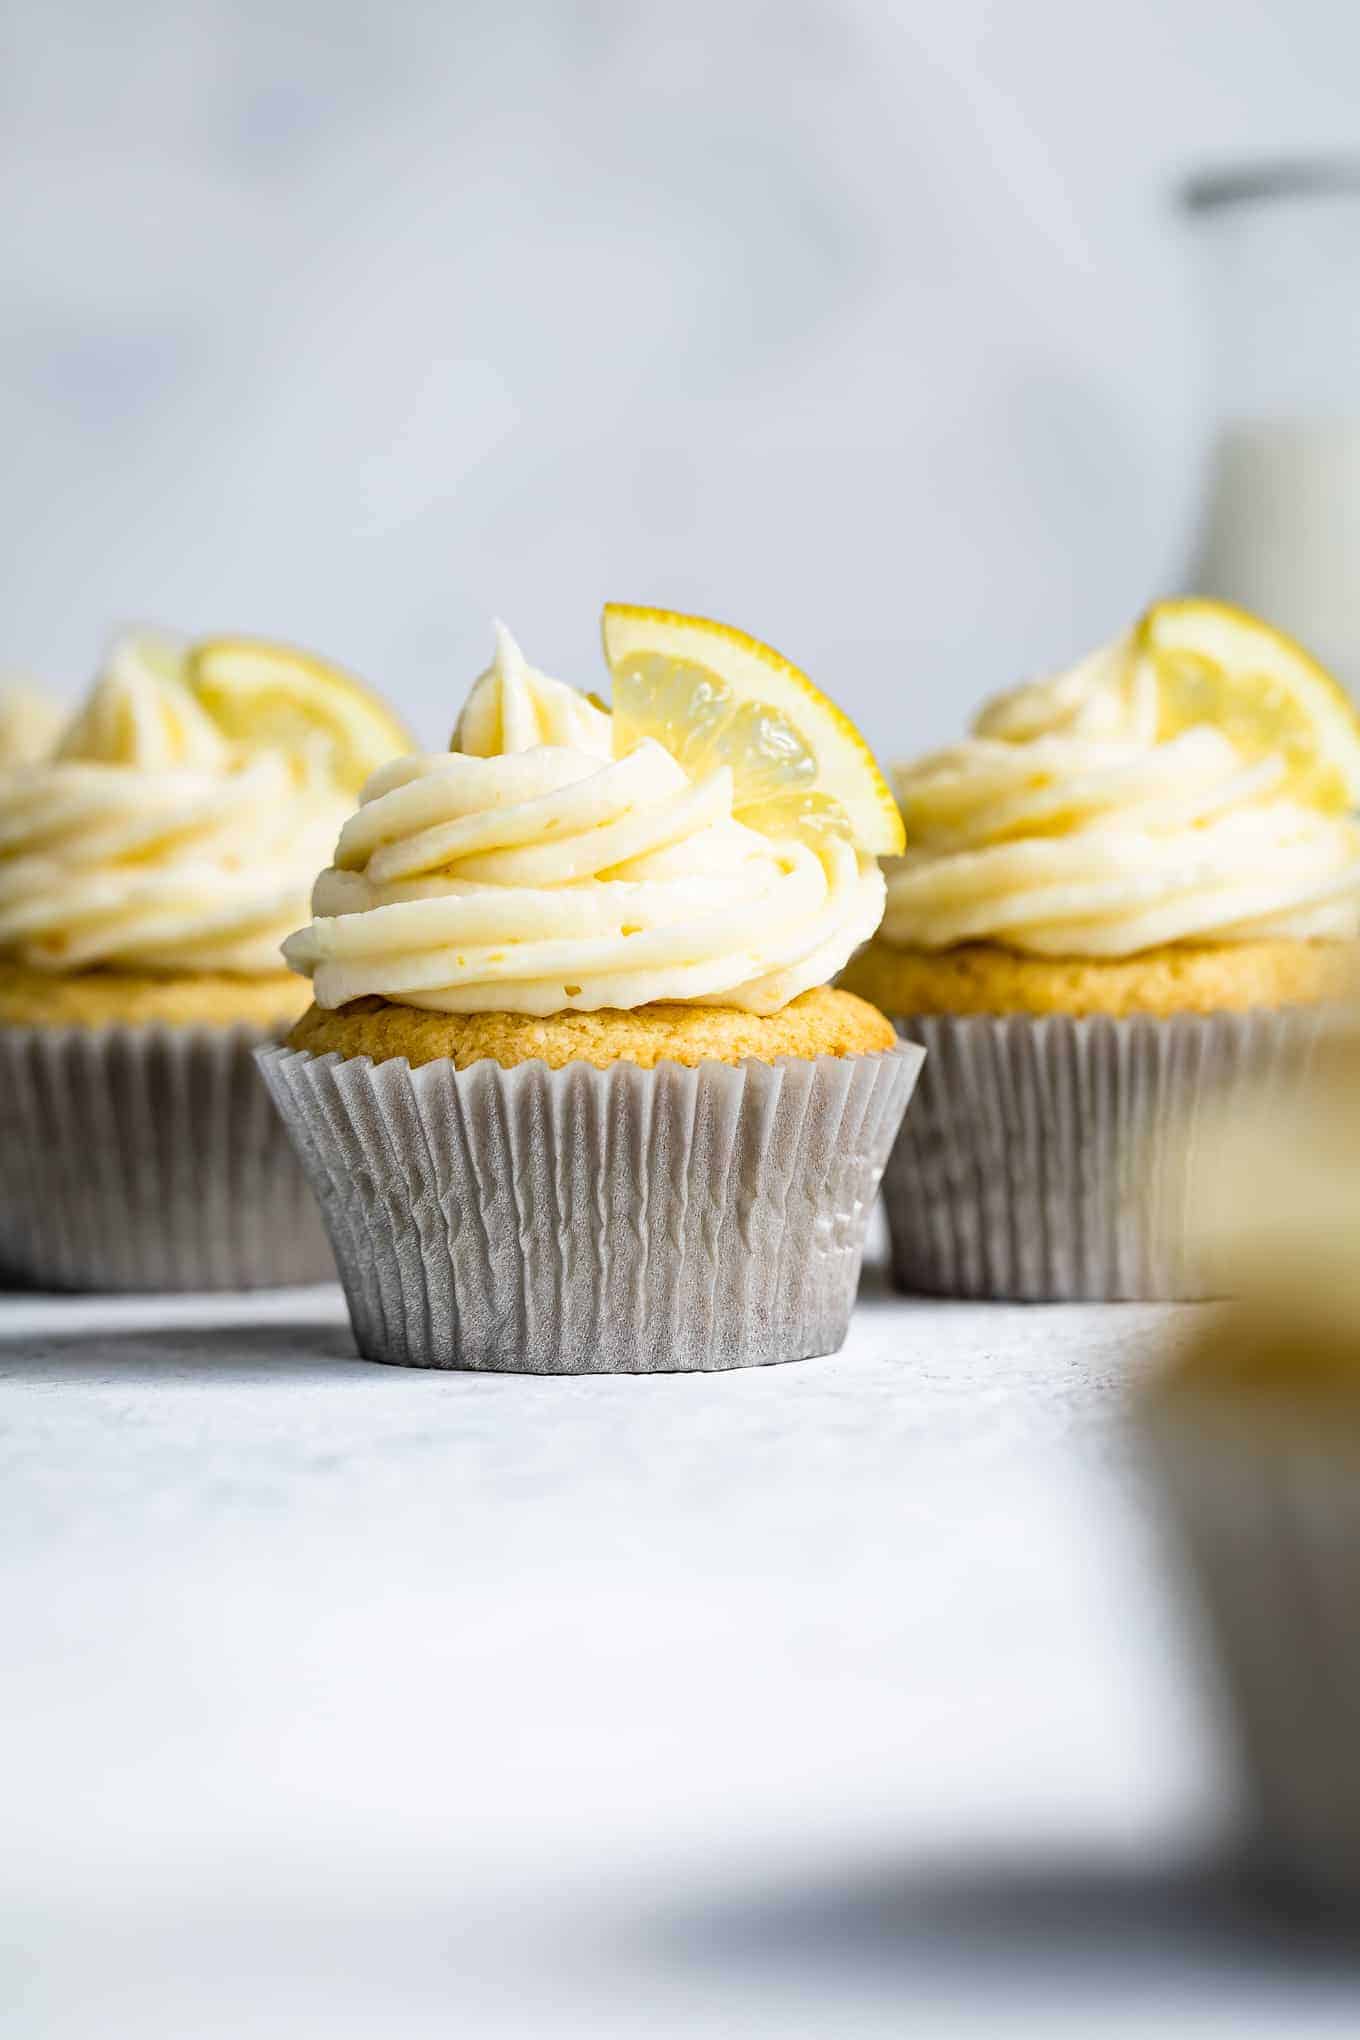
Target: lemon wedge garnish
<point>272,697</point>
<point>712,696</point>
<point>1216,664</point>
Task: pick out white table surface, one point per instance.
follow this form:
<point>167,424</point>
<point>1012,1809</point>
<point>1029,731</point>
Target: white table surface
<point>843,1698</point>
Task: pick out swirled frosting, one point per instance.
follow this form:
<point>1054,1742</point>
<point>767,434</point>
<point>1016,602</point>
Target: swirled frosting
<point>30,725</point>
<point>1063,827</point>
<point>514,707</point>
<point>531,871</point>
<point>148,842</point>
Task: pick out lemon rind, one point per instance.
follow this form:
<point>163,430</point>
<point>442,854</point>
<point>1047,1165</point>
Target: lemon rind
<point>1321,697</point>
<point>384,734</point>
<point>849,749</point>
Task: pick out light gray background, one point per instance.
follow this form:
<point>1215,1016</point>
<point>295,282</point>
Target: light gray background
<point>867,326</point>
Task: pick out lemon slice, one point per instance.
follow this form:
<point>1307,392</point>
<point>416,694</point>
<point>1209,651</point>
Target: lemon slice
<point>1216,664</point>
<point>157,652</point>
<point>272,697</point>
<point>713,696</point>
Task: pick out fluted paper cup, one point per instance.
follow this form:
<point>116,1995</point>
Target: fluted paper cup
<point>149,1158</point>
<point>1049,1157</point>
<point>1265,1505</point>
<point>584,1221</point>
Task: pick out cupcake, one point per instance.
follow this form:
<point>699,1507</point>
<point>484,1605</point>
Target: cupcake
<point>149,870</point>
<point>1252,1434</point>
<point>574,1094</point>
<point>1136,884</point>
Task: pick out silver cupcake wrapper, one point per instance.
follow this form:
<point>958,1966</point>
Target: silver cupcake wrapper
<point>149,1157</point>
<point>1266,1514</point>
<point>584,1221</point>
<point>1050,1157</point>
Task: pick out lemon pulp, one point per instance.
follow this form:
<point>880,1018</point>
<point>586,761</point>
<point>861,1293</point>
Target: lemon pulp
<point>713,696</point>
<point>328,724</point>
<point>1216,664</point>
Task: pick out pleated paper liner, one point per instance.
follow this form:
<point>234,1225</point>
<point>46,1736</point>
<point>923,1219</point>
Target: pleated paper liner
<point>149,1158</point>
<point>1050,1157</point>
<point>584,1221</point>
<point>1265,1507</point>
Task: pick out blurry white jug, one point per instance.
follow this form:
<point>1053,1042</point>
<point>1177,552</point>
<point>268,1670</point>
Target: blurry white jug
<point>1279,249</point>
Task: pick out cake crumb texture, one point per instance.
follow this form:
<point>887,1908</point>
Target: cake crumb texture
<point>113,998</point>
<point>982,977</point>
<point>822,1022</point>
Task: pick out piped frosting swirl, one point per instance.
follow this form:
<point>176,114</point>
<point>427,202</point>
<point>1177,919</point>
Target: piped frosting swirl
<point>31,724</point>
<point>150,843</point>
<point>1063,826</point>
<point>531,871</point>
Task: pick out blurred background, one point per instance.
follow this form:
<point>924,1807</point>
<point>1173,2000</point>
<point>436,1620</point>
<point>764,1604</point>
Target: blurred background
<point>871,327</point>
<point>878,329</point>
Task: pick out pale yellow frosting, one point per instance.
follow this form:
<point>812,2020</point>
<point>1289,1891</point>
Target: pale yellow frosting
<point>1063,827</point>
<point>543,875</point>
<point>30,724</point>
<point>148,842</point>
<point>514,707</point>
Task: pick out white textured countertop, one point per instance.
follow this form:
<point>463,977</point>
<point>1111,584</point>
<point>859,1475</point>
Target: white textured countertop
<point>841,1698</point>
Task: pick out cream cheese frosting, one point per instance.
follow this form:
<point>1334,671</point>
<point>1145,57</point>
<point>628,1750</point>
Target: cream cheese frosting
<point>514,707</point>
<point>148,842</point>
<point>531,871</point>
<point>30,725</point>
<point>1064,827</point>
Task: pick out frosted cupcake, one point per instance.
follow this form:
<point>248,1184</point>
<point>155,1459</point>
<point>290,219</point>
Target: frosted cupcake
<point>574,1094</point>
<point>149,870</point>
<point>1253,1434</point>
<point>1133,885</point>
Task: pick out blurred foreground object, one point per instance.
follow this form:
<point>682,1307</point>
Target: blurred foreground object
<point>1255,1435</point>
<point>30,725</point>
<point>1279,255</point>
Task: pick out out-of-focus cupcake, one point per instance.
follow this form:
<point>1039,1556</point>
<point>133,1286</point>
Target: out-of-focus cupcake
<point>1253,1436</point>
<point>1135,885</point>
<point>574,1094</point>
<point>149,870</point>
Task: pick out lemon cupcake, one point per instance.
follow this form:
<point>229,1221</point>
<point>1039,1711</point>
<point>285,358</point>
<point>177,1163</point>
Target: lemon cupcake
<point>149,870</point>
<point>1253,1437</point>
<point>1135,884</point>
<point>574,1094</point>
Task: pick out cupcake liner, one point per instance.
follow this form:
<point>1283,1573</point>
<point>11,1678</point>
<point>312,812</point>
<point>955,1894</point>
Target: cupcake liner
<point>149,1157</point>
<point>1051,1157</point>
<point>1266,1511</point>
<point>584,1221</point>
